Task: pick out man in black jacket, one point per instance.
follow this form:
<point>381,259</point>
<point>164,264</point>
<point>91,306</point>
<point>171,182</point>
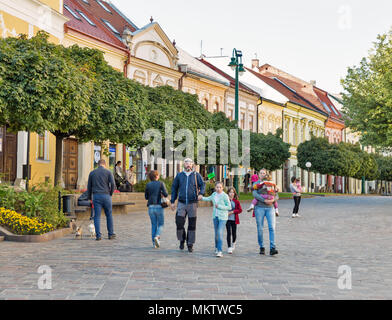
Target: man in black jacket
<point>100,188</point>
<point>187,186</point>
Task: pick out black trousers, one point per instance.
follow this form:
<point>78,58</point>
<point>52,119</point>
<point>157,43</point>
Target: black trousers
<point>184,211</point>
<point>297,201</point>
<point>231,228</point>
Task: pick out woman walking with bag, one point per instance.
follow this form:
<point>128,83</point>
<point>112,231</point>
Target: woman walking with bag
<point>153,193</point>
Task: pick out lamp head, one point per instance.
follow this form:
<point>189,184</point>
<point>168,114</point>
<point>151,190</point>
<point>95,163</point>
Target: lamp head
<point>233,64</point>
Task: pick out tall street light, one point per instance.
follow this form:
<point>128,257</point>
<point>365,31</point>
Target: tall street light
<point>237,66</point>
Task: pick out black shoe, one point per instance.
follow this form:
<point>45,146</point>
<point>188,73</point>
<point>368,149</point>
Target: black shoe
<point>262,250</point>
<point>190,248</point>
<point>182,245</point>
<point>98,239</point>
<point>273,251</point>
<point>112,237</point>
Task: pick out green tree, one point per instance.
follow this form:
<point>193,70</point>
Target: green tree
<point>268,151</point>
<point>182,109</point>
<point>69,92</point>
<point>41,90</point>
<point>368,97</point>
<point>384,168</point>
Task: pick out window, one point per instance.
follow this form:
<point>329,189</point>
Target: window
<point>251,123</point>
<point>72,12</point>
<point>103,6</point>
<point>231,114</point>
<point>242,121</point>
<point>205,103</point>
<point>326,107</point>
<point>111,27</point>
<point>216,107</point>
<point>41,147</point>
<point>334,111</point>
<point>86,18</point>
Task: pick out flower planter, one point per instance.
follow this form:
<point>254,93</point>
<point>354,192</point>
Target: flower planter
<point>9,236</point>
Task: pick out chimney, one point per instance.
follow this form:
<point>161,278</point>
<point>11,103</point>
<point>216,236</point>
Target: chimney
<point>255,63</point>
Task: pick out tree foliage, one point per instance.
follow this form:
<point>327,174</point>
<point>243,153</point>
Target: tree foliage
<point>40,90</point>
<point>268,151</point>
<point>343,159</point>
<point>368,97</point>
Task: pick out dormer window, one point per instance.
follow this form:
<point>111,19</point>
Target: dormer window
<point>72,12</point>
<point>109,25</point>
<point>86,18</point>
<point>103,6</point>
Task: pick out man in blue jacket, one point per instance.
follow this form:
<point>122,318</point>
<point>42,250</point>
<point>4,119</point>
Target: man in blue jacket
<point>100,188</point>
<point>187,186</point>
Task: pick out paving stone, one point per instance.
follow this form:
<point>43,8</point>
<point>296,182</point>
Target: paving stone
<point>332,232</point>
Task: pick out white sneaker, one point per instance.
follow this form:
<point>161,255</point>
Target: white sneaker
<point>219,254</point>
<point>233,246</point>
<point>156,241</point>
<point>230,250</point>
<point>249,209</point>
<point>294,215</point>
<point>216,251</point>
<point>297,215</point>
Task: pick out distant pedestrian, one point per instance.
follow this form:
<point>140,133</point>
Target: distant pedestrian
<point>100,187</point>
<point>187,186</point>
<point>233,220</point>
<point>220,214</point>
<point>131,177</point>
<point>153,193</point>
<point>296,189</point>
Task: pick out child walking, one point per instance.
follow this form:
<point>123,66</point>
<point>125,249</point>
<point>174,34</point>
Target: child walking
<point>272,191</point>
<point>233,220</point>
<point>220,213</point>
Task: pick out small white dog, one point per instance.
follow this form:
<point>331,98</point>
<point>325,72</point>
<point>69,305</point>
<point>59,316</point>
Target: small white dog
<point>78,233</point>
<point>91,229</point>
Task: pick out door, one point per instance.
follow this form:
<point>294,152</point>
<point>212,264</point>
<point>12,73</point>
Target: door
<point>70,163</point>
<point>8,155</point>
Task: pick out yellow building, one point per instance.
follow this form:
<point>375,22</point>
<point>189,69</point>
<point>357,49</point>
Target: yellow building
<point>28,17</point>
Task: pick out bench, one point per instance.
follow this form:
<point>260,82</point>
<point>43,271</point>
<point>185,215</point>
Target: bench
<point>118,207</point>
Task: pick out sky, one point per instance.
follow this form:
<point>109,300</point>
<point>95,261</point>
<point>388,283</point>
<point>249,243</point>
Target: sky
<point>312,40</point>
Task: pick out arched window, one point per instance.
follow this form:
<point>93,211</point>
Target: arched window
<point>216,107</point>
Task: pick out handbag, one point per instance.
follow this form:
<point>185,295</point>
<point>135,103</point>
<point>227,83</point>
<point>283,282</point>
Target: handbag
<point>164,201</point>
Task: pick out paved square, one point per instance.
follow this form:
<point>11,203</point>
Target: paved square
<point>332,232</point>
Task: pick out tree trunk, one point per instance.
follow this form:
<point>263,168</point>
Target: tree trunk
<point>58,173</point>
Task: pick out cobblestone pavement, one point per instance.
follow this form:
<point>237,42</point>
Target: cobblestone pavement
<point>333,231</point>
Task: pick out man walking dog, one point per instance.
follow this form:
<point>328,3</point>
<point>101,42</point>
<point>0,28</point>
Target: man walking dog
<point>100,188</point>
<point>187,186</point>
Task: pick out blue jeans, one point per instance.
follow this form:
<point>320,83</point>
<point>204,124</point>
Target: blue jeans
<point>102,201</point>
<point>219,226</point>
<point>269,213</point>
<point>157,220</point>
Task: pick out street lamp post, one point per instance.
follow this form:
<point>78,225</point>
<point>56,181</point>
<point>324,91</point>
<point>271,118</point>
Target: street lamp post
<point>308,165</point>
<point>237,66</point>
